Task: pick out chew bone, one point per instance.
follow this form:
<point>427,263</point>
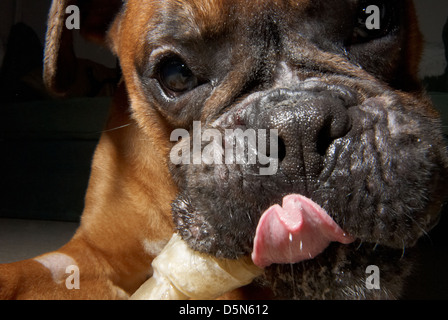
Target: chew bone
<point>182,273</point>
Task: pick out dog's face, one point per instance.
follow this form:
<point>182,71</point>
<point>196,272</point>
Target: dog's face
<point>353,132</point>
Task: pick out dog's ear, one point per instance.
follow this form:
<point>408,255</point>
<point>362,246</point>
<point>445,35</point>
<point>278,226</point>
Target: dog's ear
<point>412,49</point>
<point>95,17</point>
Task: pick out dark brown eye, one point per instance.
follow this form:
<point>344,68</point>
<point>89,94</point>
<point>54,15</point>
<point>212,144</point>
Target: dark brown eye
<point>374,19</point>
<point>175,76</point>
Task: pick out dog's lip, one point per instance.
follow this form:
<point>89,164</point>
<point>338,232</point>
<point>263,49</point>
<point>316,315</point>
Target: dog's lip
<point>298,230</point>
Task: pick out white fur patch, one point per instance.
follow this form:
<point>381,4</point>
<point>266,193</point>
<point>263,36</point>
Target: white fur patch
<point>57,263</point>
<point>154,247</point>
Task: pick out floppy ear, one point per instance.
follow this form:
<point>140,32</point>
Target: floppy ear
<point>412,48</point>
<point>60,61</point>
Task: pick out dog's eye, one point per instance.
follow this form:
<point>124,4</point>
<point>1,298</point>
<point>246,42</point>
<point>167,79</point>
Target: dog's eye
<point>374,19</point>
<point>176,77</point>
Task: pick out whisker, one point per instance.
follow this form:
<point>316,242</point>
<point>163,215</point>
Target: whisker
<point>116,128</point>
<point>425,233</point>
<point>404,249</point>
<point>359,246</point>
<point>249,217</point>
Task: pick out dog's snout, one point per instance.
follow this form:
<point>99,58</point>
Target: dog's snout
<point>307,124</point>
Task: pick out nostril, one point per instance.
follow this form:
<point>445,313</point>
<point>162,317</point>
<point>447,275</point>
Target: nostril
<point>281,149</point>
<point>307,125</point>
<point>324,140</point>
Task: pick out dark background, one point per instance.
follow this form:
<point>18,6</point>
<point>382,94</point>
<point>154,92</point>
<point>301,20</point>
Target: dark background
<point>46,143</point>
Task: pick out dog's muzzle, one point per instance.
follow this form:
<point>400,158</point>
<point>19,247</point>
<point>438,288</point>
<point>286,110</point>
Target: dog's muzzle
<point>307,120</point>
<point>353,153</point>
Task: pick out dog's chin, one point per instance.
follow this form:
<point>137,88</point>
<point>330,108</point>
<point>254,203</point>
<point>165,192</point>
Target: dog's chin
<point>338,272</point>
<point>198,223</point>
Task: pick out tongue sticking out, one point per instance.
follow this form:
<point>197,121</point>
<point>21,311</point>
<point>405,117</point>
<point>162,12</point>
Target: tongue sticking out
<point>299,230</point>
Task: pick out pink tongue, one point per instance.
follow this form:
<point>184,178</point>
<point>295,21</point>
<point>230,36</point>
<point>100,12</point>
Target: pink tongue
<point>299,230</point>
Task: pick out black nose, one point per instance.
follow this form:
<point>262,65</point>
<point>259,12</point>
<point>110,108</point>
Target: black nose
<point>307,122</point>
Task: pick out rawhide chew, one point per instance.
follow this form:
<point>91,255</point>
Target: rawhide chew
<point>182,273</point>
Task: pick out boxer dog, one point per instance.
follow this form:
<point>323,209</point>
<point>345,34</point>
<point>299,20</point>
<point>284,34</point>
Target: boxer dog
<point>356,137</point>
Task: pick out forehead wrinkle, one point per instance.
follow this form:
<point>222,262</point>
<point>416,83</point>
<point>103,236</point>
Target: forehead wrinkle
<point>201,18</point>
